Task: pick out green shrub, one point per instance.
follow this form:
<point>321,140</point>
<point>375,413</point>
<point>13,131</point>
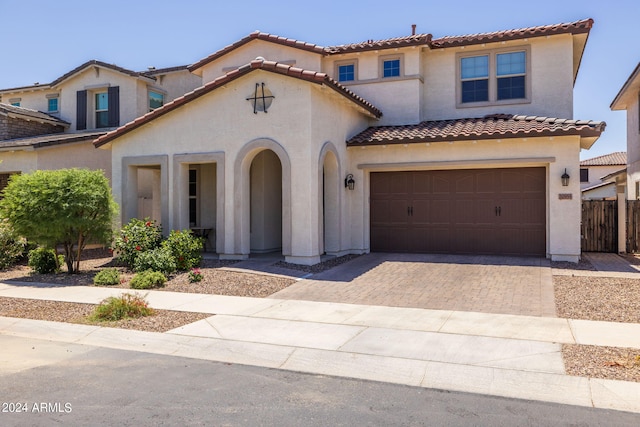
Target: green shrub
<point>158,259</point>
<point>137,237</point>
<point>185,248</point>
<point>148,280</point>
<point>107,277</point>
<point>44,261</point>
<point>124,307</point>
<point>11,245</point>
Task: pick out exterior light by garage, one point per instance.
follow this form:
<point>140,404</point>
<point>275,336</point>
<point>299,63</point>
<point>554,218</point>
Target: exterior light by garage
<point>349,182</point>
<point>565,178</point>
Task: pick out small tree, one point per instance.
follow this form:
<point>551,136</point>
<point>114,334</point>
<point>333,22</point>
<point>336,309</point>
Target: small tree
<point>67,207</point>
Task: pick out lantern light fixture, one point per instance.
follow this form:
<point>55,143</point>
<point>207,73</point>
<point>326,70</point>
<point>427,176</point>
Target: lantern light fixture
<point>349,182</point>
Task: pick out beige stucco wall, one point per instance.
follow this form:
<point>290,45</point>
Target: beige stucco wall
<point>176,83</point>
<point>258,48</point>
<point>33,98</point>
<point>298,124</point>
<point>551,75</point>
<point>132,104</point>
<point>633,147</point>
<point>76,155</point>
<point>563,216</point>
<point>597,172</point>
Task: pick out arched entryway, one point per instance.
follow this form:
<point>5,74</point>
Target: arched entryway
<point>262,199</point>
<point>330,201</point>
<point>265,188</point>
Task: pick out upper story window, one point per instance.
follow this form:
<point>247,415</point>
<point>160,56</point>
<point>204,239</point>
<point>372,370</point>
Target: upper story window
<point>495,77</point>
<point>346,72</point>
<point>98,108</point>
<point>584,175</point>
<point>15,101</point>
<point>391,68</point>
<point>156,100</point>
<point>474,73</point>
<point>511,70</point>
<point>102,110</point>
<point>52,104</point>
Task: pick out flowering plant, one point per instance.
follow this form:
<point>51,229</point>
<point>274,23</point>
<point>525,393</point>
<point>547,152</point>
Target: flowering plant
<point>136,237</point>
<point>195,275</point>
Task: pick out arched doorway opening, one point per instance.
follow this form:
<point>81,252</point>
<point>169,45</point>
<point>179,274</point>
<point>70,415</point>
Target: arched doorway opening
<point>265,199</point>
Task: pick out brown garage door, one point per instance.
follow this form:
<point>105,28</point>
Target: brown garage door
<point>475,211</point>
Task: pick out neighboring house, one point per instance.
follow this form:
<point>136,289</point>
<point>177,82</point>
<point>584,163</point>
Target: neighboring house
<point>452,145</point>
<point>595,175</point>
<point>628,99</point>
<point>52,126</point>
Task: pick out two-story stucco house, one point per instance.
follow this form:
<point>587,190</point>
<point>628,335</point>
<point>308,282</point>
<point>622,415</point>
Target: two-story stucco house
<point>628,99</point>
<point>414,144</point>
<point>53,125</point>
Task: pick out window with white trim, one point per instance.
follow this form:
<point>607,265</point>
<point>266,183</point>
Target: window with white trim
<point>53,103</point>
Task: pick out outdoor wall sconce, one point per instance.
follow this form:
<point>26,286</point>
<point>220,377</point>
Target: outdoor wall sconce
<point>349,182</point>
<point>565,178</point>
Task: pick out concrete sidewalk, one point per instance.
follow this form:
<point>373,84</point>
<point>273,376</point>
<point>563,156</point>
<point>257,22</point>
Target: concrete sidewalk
<point>493,354</point>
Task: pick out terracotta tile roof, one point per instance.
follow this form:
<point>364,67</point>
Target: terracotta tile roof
<point>258,64</point>
<point>612,159</point>
<point>48,140</point>
<point>489,127</point>
<point>413,40</point>
<point>257,35</point>
<point>577,27</point>
<point>8,109</point>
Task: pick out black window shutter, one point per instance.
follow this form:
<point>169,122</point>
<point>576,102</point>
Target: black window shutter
<point>114,106</point>
<point>81,110</point>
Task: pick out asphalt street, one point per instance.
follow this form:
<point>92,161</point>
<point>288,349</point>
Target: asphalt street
<point>71,384</point>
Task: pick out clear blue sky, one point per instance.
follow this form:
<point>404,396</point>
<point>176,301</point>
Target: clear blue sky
<point>43,39</point>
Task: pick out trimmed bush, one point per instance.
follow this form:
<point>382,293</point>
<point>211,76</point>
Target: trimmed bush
<point>137,237</point>
<point>158,259</point>
<point>45,261</point>
<point>185,248</point>
<point>107,277</point>
<point>124,307</point>
<point>148,280</point>
<point>11,245</point>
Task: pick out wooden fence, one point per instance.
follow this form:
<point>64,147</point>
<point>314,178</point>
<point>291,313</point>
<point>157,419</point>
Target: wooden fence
<point>599,228</point>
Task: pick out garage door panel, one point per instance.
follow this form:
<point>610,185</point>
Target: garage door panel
<point>441,183</point>
<point>439,211</point>
<point>464,183</point>
<point>481,211</point>
<point>485,181</point>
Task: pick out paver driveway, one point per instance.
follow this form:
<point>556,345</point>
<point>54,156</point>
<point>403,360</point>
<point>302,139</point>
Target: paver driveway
<point>509,285</point>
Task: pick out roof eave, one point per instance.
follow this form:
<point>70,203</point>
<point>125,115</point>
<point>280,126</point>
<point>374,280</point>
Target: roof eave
<point>629,86</point>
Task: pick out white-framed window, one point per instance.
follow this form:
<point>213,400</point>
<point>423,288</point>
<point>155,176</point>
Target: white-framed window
<point>493,77</point>
<point>156,100</point>
<point>193,197</point>
<point>53,103</point>
<point>102,109</point>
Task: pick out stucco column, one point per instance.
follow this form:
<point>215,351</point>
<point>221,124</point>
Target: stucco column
<point>622,218</point>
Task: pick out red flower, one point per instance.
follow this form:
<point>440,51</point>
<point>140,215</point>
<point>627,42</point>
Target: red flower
<point>138,248</point>
<point>148,223</point>
<point>181,258</point>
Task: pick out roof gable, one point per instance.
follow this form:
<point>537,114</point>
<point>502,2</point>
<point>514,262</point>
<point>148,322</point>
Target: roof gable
<point>257,35</point>
<point>258,64</point>
<point>631,86</point>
